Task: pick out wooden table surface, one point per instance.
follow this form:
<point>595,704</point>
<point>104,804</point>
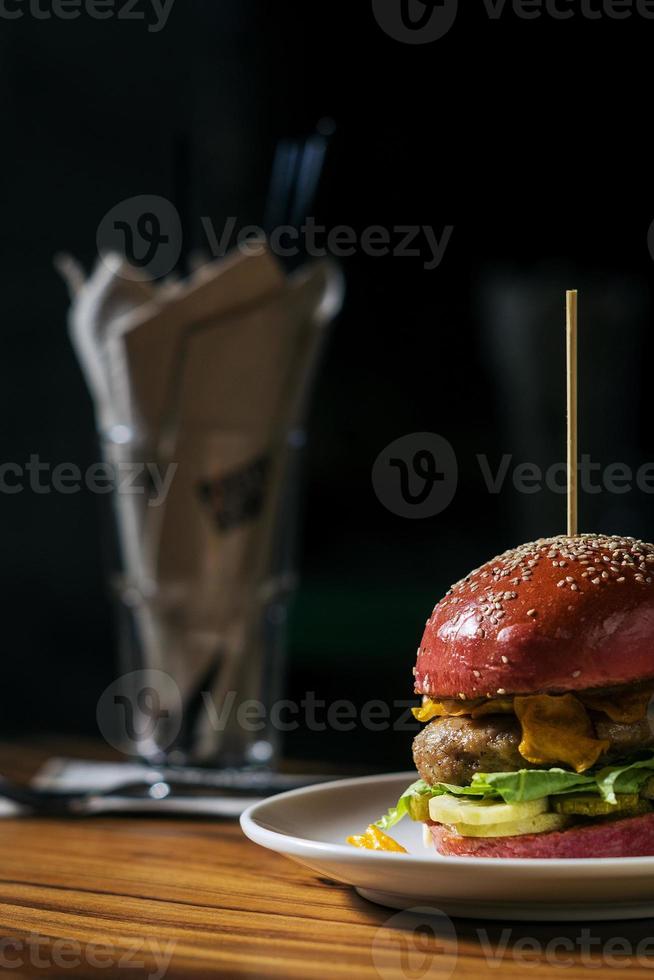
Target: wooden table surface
<point>139,897</point>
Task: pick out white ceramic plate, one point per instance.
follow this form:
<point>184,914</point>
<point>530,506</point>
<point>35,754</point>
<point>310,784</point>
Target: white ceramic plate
<point>310,825</point>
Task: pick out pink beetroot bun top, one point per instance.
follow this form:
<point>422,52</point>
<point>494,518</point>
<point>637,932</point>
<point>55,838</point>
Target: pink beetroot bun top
<point>558,614</point>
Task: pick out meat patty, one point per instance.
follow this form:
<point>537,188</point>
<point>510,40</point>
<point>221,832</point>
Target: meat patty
<point>451,750</point>
<point>624,738</point>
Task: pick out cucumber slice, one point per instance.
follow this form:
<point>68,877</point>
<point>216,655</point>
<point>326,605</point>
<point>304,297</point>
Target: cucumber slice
<point>480,813</point>
<point>540,824</point>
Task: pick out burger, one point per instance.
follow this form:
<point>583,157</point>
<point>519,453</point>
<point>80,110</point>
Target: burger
<point>536,673</point>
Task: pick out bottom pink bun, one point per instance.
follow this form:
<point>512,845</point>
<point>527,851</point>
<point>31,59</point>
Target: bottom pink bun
<point>630,837</point>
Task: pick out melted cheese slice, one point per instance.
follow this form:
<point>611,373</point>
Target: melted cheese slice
<point>626,708</point>
<point>375,839</point>
<point>556,728</point>
<point>450,708</point>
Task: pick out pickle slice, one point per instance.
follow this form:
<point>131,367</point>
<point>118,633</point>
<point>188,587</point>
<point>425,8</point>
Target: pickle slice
<point>648,789</point>
<point>419,808</point>
<point>589,805</point>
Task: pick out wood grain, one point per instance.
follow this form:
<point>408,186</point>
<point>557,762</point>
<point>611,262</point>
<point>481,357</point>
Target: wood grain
<point>193,898</point>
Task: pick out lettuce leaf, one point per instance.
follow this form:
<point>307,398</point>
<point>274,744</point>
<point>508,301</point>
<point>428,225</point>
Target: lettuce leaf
<point>629,778</point>
<point>401,808</point>
<point>531,784</point>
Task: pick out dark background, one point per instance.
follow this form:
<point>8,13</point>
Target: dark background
<point>531,138</point>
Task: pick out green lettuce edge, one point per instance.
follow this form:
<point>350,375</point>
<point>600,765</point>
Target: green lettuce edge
<point>531,784</point>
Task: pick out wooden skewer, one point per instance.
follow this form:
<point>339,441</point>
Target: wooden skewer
<point>571,349</point>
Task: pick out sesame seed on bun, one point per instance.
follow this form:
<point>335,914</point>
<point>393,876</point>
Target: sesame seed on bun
<point>557,614</point>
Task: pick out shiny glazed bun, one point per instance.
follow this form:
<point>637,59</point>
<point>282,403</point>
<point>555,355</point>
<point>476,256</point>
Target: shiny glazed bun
<point>557,614</point>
